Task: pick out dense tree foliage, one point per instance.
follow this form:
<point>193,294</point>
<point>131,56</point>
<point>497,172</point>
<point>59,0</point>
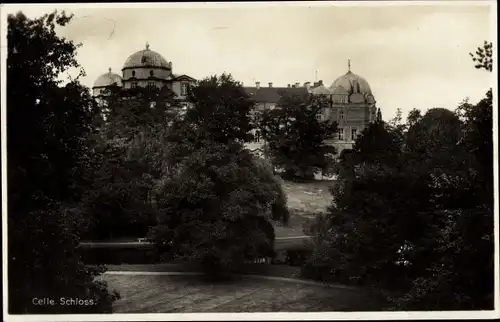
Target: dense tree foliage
<point>216,205</point>
<point>133,157</point>
<point>413,211</point>
<point>49,162</point>
<point>296,138</point>
<point>483,57</point>
<point>220,107</point>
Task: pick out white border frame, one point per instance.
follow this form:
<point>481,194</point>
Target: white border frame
<point>253,316</point>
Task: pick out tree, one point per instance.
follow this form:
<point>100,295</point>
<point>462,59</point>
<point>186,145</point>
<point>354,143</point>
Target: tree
<point>462,274</point>
<point>396,121</point>
<point>358,239</point>
<point>48,130</point>
<point>216,204</point>
<point>483,57</point>
<point>379,142</point>
<point>422,220</point>
<point>221,107</point>
<point>413,117</point>
<point>379,115</point>
<point>135,154</point>
<point>217,209</point>
<point>296,138</point>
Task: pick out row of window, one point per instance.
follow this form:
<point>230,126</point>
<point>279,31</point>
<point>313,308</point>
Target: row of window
<point>319,116</point>
<point>134,84</point>
<point>184,87</point>
<point>340,134</point>
<point>151,73</point>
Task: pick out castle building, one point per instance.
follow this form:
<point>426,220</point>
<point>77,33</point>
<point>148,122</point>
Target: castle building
<point>352,105</point>
<point>144,68</point>
<point>268,97</point>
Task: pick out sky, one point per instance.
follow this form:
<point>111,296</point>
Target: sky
<point>413,56</point>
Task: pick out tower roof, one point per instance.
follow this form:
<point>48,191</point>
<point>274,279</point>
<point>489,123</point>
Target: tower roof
<point>350,83</point>
<point>108,79</point>
<point>146,58</point>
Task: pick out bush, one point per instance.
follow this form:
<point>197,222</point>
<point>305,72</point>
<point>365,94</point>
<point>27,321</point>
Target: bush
<point>297,256</point>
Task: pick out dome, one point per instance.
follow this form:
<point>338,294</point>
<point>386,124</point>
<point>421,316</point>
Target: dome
<point>350,83</point>
<point>320,90</point>
<point>108,79</point>
<point>146,58</point>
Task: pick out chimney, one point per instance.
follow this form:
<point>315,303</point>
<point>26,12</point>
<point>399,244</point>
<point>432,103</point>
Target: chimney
<point>270,84</point>
<point>288,85</point>
<point>320,83</point>
<point>257,84</point>
<point>307,85</point>
<point>297,84</point>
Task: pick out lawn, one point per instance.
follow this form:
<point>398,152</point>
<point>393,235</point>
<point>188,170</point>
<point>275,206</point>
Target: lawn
<point>304,199</point>
<point>184,294</point>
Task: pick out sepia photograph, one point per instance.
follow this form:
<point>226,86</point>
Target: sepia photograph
<point>249,161</point>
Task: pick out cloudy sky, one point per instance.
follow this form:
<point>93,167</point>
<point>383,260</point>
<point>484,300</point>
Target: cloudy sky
<point>413,56</point>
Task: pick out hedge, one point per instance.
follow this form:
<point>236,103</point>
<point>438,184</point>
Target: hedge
<point>148,254</point>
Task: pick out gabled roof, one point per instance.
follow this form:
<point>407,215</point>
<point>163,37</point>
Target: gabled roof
<point>273,94</point>
<point>183,77</point>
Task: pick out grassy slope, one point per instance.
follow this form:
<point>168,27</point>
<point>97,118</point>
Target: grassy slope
<point>304,199</point>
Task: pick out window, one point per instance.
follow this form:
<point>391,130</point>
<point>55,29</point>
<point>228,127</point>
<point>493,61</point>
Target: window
<point>341,115</point>
<point>184,89</point>
<point>257,136</point>
<point>318,116</point>
<point>151,84</point>
<point>340,133</point>
<point>134,85</point>
<point>353,134</point>
<point>151,73</point>
<point>133,73</point>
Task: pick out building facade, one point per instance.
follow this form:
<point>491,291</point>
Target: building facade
<point>352,105</point>
<point>268,98</point>
<point>145,68</point>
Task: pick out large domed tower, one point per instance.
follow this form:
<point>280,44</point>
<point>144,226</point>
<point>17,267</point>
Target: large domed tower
<point>353,108</point>
<point>146,68</point>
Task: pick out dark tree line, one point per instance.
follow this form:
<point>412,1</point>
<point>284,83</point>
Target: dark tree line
<point>413,211</point>
<point>296,138</point>
<point>49,168</point>
<point>135,163</point>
